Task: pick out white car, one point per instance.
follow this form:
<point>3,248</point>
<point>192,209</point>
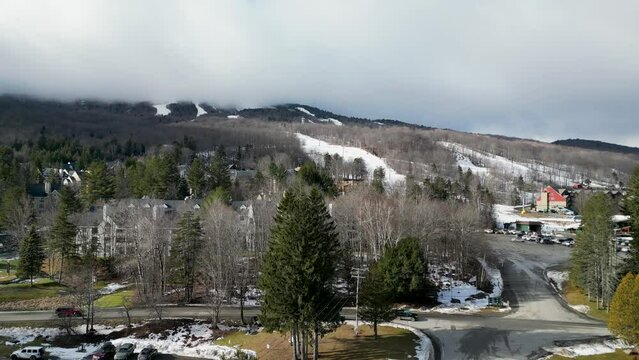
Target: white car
<point>29,352</point>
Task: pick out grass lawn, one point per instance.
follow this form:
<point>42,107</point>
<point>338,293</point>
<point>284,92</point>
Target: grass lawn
<point>117,299</point>
<point>618,355</point>
<point>574,296</point>
<point>43,288</point>
<point>392,343</point>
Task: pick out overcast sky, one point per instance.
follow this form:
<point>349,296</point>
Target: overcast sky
<point>540,69</point>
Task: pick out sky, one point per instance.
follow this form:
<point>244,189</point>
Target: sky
<point>541,69</point>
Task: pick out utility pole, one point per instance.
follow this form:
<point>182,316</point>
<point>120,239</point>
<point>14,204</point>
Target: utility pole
<point>356,273</point>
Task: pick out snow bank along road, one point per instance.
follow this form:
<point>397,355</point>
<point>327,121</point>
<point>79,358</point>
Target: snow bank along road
<point>537,319</point>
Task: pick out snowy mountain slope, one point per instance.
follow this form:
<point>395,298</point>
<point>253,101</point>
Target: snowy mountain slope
<point>317,148</point>
<point>327,120</point>
<point>162,110</point>
<point>200,110</point>
<point>480,162</point>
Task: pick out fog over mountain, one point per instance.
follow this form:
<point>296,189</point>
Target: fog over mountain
<point>545,70</point>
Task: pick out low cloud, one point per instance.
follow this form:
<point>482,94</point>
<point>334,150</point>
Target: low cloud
<point>542,69</point>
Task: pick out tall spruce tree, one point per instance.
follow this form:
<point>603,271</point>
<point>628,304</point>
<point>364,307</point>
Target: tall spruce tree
<point>185,253</point>
<point>298,271</point>
<point>593,261</point>
<point>98,183</point>
<point>196,177</point>
<point>63,238</point>
<point>376,301</point>
<point>403,269</point>
<point>631,205</point>
<point>31,255</point>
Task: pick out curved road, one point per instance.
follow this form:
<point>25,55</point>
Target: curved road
<point>538,317</point>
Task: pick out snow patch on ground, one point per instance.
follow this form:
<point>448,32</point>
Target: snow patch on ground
<point>305,111</point>
<point>589,348</point>
<point>317,148</point>
<point>71,353</point>
<point>505,214</point>
<point>233,116</point>
<point>584,309</point>
<point>331,120</point>
<point>558,277</point>
<point>200,110</point>
<point>194,340</point>
<point>161,110</point>
<point>111,288</point>
<point>24,335</point>
<point>470,298</point>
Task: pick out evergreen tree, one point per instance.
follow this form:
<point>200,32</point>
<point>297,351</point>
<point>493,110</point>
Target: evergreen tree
<point>403,269</point>
<point>63,239</point>
<point>185,250</point>
<point>378,180</point>
<point>219,171</point>
<point>196,177</point>
<point>631,205</point>
<point>69,200</point>
<point>376,301</point>
<point>299,269</point>
<point>98,184</point>
<point>592,261</point>
<point>31,255</point>
<point>624,318</point>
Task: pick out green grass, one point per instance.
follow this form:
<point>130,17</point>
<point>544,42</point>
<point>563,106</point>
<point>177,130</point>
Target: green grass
<point>117,299</point>
<point>618,355</point>
<point>24,291</point>
<point>574,296</point>
<point>341,344</point>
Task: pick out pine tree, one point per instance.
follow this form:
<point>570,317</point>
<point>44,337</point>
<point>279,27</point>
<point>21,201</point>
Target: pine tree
<point>98,183</point>
<point>378,180</point>
<point>299,269</point>
<point>631,205</point>
<point>403,269</point>
<point>69,200</point>
<point>376,301</point>
<point>63,239</point>
<point>31,255</point>
<point>219,171</point>
<point>196,177</point>
<point>593,259</point>
<point>185,250</point>
<point>623,320</point>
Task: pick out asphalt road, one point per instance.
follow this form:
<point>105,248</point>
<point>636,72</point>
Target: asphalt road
<point>537,319</point>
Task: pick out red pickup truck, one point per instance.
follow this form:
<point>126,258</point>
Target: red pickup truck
<point>68,312</point>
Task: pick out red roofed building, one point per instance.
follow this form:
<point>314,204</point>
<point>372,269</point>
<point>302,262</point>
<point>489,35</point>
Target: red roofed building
<point>550,198</point>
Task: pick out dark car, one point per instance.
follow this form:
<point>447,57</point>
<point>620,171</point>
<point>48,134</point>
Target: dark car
<point>148,353</point>
<point>404,314</point>
<point>106,351</point>
<point>68,312</point>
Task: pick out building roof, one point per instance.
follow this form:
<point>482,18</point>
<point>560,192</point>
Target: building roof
<point>553,195</point>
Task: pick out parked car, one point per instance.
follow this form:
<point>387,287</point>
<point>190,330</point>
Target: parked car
<point>488,231</point>
<point>124,351</point>
<point>404,314</point>
<point>512,232</point>
<point>68,311</point>
<point>148,353</point>
<point>29,352</point>
<point>106,351</point>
